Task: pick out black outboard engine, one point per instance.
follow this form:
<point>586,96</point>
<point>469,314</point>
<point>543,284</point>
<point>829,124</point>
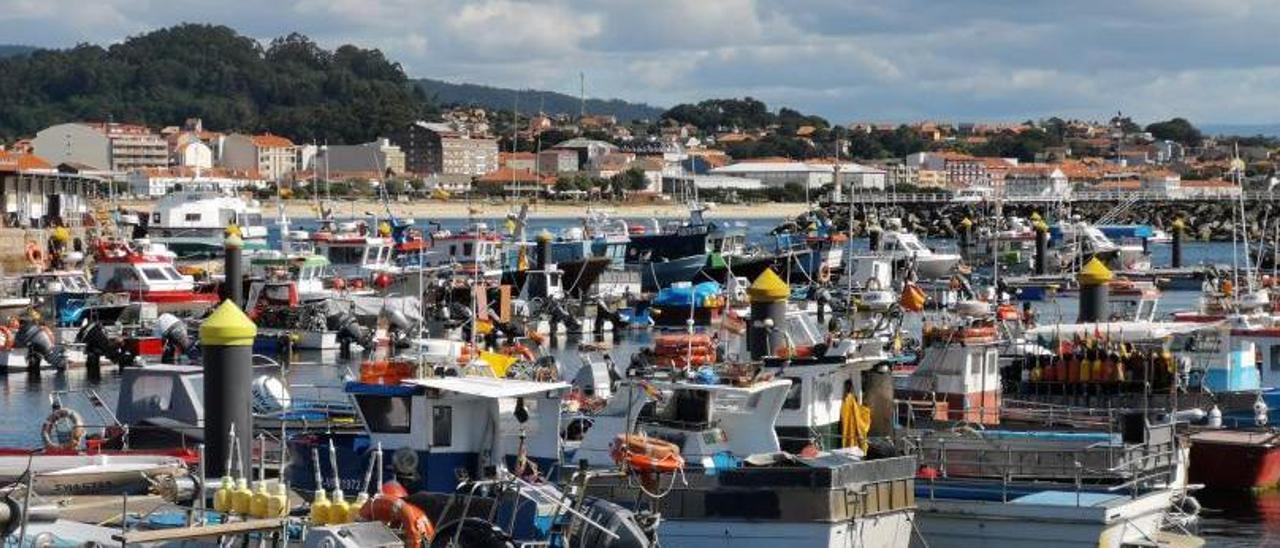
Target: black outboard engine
<point>560,314</point>
<point>97,345</point>
<point>398,328</point>
<point>604,312</point>
<point>40,346</point>
<point>173,331</point>
<point>349,331</point>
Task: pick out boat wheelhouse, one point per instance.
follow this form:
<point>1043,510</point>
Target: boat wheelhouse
<point>147,274</point>
<point>904,246</point>
<point>431,429</point>
<point>476,251</point>
<point>193,223</point>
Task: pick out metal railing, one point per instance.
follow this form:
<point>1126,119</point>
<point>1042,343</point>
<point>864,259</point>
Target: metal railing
<point>1075,196</point>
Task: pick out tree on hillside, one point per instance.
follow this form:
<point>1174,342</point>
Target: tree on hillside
<point>1178,130</point>
<point>292,87</point>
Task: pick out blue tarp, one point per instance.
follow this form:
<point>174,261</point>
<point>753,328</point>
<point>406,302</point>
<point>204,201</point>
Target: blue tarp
<point>687,295</point>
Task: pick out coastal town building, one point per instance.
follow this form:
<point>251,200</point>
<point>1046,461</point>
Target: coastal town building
<point>557,161</point>
<point>527,161</point>
<point>587,149</point>
<point>514,181</point>
<point>102,146</point>
<point>36,193</point>
<point>266,156</point>
<point>156,182</point>
<point>439,148</point>
<point>780,172</point>
<point>378,158</point>
<point>1035,180</point>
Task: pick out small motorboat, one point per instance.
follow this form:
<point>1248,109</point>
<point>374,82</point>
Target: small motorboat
<point>90,474</point>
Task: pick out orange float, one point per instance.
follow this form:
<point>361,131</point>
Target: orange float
<point>646,454</point>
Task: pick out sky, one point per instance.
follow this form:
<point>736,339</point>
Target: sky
<point>1211,61</point>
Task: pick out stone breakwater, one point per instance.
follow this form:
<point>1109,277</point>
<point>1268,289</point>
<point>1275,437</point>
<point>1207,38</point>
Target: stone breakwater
<point>1207,221</point>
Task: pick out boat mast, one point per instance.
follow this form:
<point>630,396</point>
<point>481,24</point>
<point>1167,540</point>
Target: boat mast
<point>1238,167</point>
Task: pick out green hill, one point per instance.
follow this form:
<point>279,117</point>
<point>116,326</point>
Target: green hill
<point>10,50</point>
<point>290,87</point>
<point>531,100</point>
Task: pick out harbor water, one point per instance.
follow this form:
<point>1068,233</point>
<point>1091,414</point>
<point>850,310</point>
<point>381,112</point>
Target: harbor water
<point>1230,520</point>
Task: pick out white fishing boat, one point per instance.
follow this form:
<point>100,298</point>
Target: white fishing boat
<point>192,223</point>
<point>90,474</point>
<point>906,247</point>
<point>835,498</point>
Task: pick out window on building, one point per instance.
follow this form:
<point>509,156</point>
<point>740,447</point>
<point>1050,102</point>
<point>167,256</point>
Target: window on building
<point>441,426</point>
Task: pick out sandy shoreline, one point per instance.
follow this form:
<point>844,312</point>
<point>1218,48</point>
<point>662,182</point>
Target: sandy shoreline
<point>434,209</point>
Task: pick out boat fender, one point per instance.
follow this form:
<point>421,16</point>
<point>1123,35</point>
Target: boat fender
<point>50,429</point>
<point>824,273</point>
<point>6,338</point>
<point>1188,505</point>
<point>270,395</point>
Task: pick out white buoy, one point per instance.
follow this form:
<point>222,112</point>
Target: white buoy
<point>1215,417</point>
<point>1260,412</point>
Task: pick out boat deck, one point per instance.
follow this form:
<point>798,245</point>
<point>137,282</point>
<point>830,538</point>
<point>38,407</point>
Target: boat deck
<point>1255,438</point>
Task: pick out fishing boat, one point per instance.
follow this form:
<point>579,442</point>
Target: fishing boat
<point>677,253</point>
<point>90,474</point>
<point>905,247</point>
<point>355,249</point>
<point>192,223</point>
<point>431,428</point>
<point>145,271</point>
<point>739,488</point>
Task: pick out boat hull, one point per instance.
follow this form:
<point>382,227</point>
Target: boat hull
<point>655,275</point>
<point>1254,458</point>
<point>1117,521</point>
<point>887,530</point>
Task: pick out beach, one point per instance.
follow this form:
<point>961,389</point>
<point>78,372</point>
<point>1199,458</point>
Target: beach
<point>457,209</point>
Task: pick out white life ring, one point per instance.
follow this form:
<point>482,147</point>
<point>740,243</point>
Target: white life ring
<point>50,429</point>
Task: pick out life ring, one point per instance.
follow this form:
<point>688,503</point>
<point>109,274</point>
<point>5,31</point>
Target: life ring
<point>646,454</point>
<point>35,255</point>
<point>49,430</point>
<point>6,338</point>
<point>824,273</point>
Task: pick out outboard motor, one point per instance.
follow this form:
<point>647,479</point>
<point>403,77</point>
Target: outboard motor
<point>604,312</point>
<point>349,331</point>
<point>40,346</point>
<point>559,314</point>
<point>398,327</point>
<point>173,332</point>
<point>97,345</point>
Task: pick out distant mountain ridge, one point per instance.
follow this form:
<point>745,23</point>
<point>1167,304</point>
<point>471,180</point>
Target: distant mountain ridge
<point>1242,130</point>
<point>531,100</point>
<point>9,50</point>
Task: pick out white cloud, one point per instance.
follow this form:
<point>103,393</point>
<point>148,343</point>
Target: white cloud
<point>1209,60</point>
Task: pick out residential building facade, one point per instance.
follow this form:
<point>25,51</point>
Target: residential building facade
<point>102,146</point>
<point>269,157</point>
<point>436,148</point>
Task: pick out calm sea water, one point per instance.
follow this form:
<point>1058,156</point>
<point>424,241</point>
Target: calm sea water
<point>1228,520</point>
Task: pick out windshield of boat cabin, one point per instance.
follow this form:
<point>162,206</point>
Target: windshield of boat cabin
<point>346,255</point>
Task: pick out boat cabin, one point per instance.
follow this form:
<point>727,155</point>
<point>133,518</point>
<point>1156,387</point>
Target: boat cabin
<point>476,250</point>
<point>352,255</point>
<point>703,420</point>
<point>452,423</point>
<point>958,378</point>
<point>70,299</point>
<point>169,397</point>
<point>294,279</point>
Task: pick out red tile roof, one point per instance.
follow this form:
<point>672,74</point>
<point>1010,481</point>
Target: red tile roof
<point>14,161</point>
<point>270,141</point>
